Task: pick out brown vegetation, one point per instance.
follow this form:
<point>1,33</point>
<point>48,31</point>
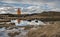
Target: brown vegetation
<point>52,30</point>
<point>13,34</point>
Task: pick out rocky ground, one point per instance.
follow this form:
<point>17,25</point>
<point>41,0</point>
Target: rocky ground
<point>52,30</point>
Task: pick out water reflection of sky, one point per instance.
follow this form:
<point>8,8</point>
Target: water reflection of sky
<point>24,23</point>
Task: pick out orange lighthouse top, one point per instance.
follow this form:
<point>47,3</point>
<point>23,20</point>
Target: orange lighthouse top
<point>18,11</point>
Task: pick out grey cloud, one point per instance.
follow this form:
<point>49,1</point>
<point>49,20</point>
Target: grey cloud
<point>56,3</point>
<point>12,0</point>
<point>16,0</point>
<point>32,0</point>
<point>43,0</point>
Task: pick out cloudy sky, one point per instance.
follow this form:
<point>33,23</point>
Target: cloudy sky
<point>33,5</point>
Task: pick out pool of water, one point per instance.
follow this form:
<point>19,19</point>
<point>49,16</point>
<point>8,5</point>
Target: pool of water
<point>4,33</point>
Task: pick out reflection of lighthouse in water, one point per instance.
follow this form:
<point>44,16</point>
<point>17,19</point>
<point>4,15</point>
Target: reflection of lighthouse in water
<point>18,12</point>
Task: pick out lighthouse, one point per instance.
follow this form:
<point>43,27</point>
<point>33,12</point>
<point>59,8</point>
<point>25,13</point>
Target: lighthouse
<point>18,13</point>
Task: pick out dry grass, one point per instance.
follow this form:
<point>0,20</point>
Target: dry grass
<point>52,30</point>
